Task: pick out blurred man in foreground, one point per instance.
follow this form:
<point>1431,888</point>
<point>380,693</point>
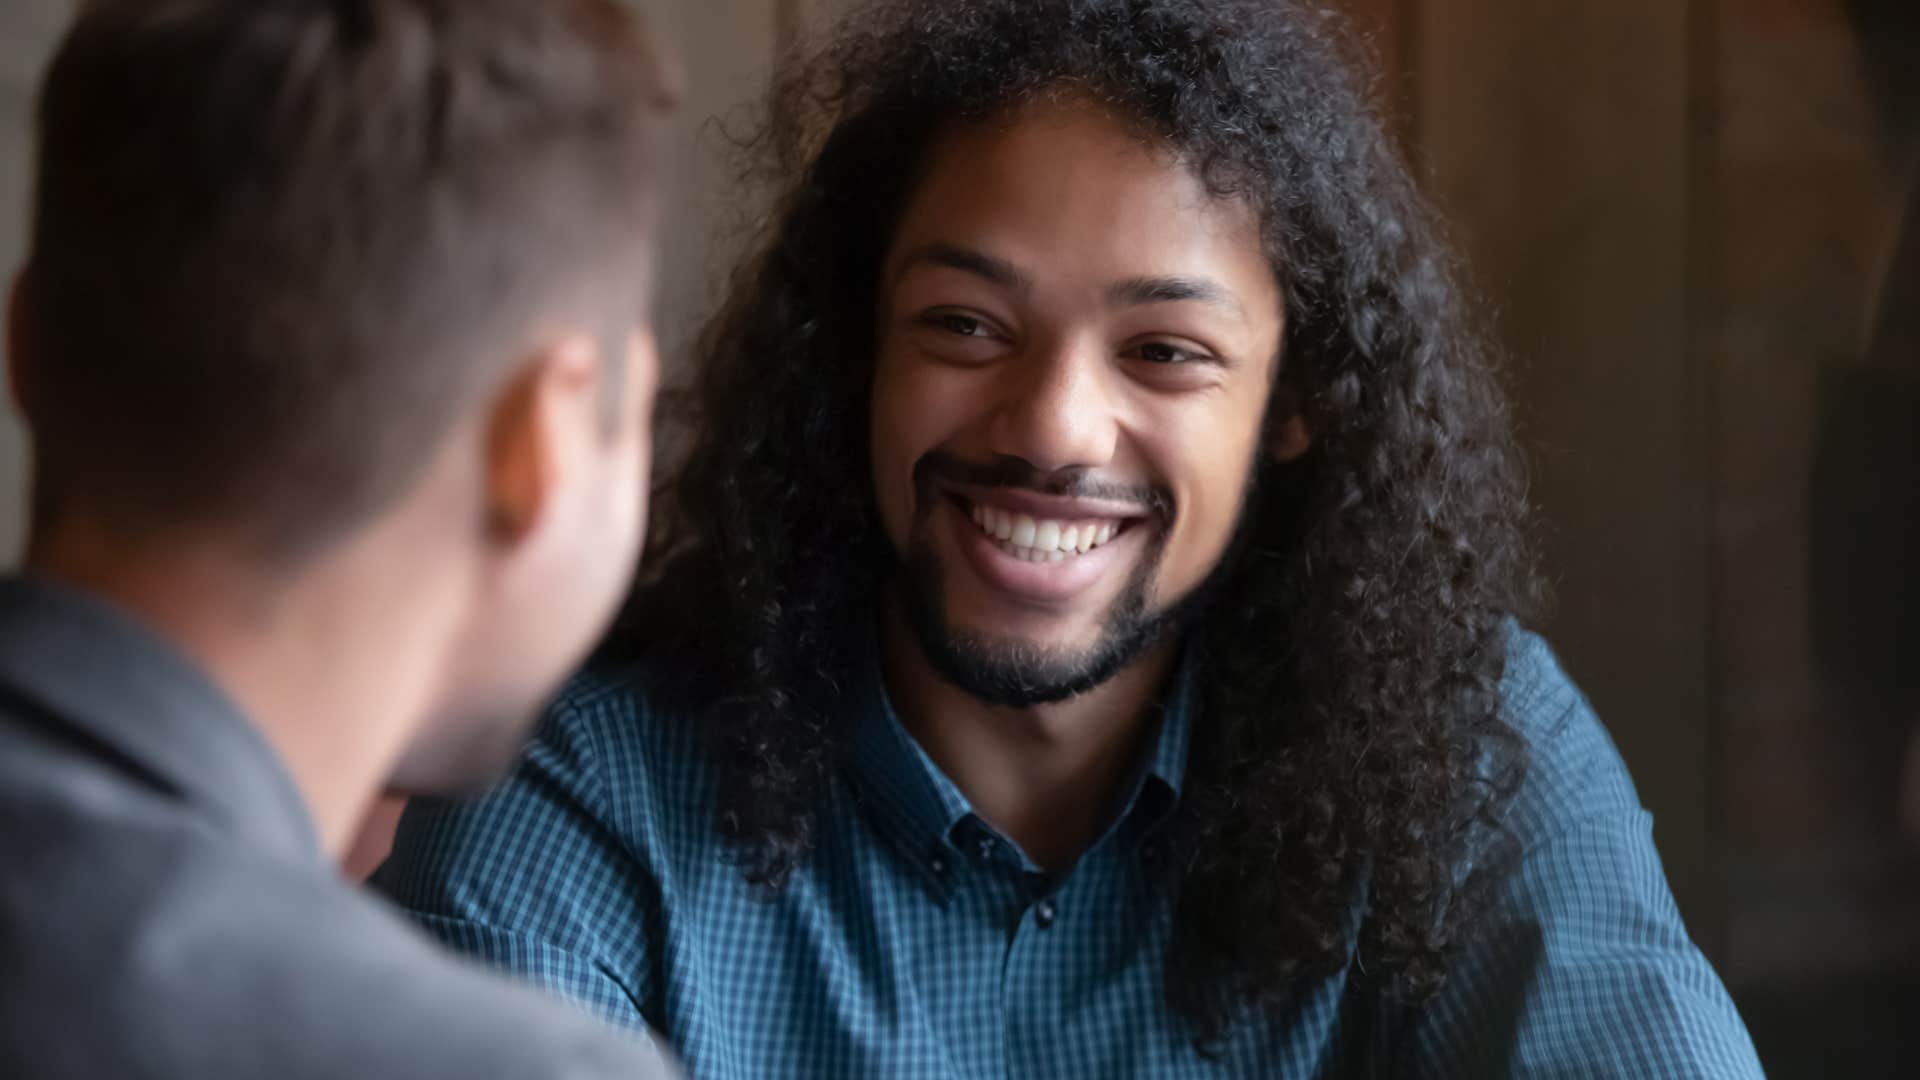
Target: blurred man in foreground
<point>332,340</point>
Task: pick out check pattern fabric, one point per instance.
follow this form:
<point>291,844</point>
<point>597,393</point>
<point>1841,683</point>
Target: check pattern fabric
<point>920,942</point>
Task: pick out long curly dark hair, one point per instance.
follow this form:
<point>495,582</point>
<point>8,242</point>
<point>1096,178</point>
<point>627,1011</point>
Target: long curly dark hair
<point>1349,759</point>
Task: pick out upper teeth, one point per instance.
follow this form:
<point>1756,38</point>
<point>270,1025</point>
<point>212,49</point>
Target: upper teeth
<point>1041,539</point>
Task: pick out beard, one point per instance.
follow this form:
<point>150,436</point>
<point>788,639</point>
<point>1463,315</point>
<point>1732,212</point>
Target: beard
<point>1013,673</point>
<point>1019,674</point>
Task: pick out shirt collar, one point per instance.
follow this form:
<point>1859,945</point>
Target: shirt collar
<point>912,801</point>
<point>919,808</point>
<point>85,667</point>
<point>1168,761</point>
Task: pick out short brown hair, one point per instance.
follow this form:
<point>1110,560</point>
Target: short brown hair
<point>279,245</point>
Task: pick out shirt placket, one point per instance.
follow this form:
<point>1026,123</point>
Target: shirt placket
<point>1026,903</point>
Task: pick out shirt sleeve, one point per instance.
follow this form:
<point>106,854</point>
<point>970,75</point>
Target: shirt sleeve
<point>535,878</point>
<point>1585,968</point>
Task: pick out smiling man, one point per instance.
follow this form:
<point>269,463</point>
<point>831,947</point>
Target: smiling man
<point>1096,582</point>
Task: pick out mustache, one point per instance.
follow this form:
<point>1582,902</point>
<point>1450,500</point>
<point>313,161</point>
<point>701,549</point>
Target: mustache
<point>1006,471</point>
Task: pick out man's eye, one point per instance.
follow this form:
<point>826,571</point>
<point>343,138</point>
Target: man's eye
<point>1159,352</point>
<point>954,322</point>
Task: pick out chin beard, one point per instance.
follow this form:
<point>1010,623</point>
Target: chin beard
<point>1019,674</point>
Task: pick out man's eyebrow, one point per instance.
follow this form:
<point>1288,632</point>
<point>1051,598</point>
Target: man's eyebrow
<point>1169,290</point>
<point>1128,293</point>
<point>966,260</point>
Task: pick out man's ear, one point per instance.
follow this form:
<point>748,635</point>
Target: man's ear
<point>544,405</point>
<point>1288,436</point>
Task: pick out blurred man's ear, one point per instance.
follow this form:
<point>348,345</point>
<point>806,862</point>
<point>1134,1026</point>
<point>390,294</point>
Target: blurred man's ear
<point>533,430</point>
<point>642,371</point>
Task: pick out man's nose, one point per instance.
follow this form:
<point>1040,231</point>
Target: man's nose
<point>1056,408</point>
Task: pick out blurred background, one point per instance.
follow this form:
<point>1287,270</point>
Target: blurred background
<point>1697,227</point>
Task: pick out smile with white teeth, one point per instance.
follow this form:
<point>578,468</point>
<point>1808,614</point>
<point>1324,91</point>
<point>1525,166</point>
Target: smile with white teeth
<point>1042,540</point>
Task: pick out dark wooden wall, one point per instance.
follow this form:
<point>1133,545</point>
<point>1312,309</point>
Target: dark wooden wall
<point>1694,223</point>
<point>1557,139</point>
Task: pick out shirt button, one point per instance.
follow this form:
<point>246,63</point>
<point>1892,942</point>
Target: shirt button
<point>1043,914</point>
<point>939,866</point>
<point>986,848</point>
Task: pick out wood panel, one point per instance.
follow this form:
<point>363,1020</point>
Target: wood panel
<point>1557,138</point>
<point>1385,30</point>
<point>1814,279</point>
<point>726,49</point>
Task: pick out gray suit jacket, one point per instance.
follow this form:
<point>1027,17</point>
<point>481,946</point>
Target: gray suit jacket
<point>165,909</point>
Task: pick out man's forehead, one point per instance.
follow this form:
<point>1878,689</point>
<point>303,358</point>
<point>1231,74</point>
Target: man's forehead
<point>1069,147</point>
<point>1071,189</point>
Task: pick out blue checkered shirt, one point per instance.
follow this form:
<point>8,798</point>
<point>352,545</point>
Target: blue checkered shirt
<point>920,942</point>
